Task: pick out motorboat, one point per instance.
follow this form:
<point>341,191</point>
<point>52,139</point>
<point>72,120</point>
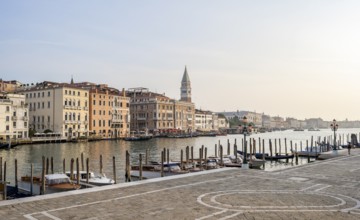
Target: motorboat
<point>94,179</point>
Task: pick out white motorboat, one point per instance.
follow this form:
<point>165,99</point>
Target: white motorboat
<point>97,180</point>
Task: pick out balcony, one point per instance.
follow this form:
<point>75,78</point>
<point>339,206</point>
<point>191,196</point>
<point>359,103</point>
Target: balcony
<point>14,118</point>
<point>25,118</point>
<point>86,108</point>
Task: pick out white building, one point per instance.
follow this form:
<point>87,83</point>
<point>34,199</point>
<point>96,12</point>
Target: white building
<point>14,119</point>
<point>204,120</point>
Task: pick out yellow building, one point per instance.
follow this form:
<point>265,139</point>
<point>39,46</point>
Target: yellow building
<point>59,107</point>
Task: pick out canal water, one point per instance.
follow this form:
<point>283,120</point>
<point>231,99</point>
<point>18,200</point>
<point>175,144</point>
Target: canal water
<point>27,154</point>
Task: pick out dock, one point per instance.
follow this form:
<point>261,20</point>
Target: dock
<point>326,189</point>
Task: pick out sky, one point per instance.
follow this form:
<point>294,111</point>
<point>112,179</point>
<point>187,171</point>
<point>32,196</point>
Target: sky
<point>283,58</point>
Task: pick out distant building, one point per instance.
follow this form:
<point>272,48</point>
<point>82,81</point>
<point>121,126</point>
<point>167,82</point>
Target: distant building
<point>222,122</point>
<point>292,123</point>
<point>314,123</point>
<point>13,117</point>
<point>204,120</point>
<point>59,107</point>
<point>158,113</point>
<point>109,108</point>
<point>252,117</point>
<point>9,86</point>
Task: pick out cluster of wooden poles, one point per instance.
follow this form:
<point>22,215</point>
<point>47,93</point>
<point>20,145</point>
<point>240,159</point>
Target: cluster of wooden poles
<point>46,164</point>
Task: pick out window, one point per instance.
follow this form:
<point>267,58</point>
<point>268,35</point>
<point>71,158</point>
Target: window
<point>66,116</point>
<point>25,114</point>
<point>79,103</point>
<point>30,95</point>
<point>99,102</point>
<point>65,102</point>
<point>48,104</point>
<point>7,118</point>
<point>85,94</point>
<point>78,93</point>
<point>73,92</point>
<point>42,119</point>
<point>104,123</point>
<point>7,108</point>
<point>94,123</point>
<point>99,123</point>
<point>78,117</point>
<point>94,112</point>
<point>27,95</point>
<point>48,119</point>
<point>85,103</point>
<point>38,105</point>
<point>7,127</point>
<point>43,94</point>
<point>65,92</point>
<point>25,124</point>
<point>94,103</point>
<point>85,117</point>
<point>43,105</point>
<point>127,105</point>
<point>38,119</point>
<point>49,93</point>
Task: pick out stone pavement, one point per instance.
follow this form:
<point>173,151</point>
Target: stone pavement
<point>327,189</point>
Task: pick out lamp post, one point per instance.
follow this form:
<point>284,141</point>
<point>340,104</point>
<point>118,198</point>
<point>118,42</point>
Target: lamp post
<point>245,130</point>
<point>334,126</point>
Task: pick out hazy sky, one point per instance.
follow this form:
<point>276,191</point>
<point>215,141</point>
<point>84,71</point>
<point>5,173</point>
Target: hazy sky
<point>288,58</point>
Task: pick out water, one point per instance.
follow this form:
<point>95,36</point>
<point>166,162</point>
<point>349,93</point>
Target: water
<point>27,154</point>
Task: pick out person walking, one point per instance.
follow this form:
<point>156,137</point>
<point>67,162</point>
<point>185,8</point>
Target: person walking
<point>349,147</point>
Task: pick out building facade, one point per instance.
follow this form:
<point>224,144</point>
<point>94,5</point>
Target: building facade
<point>9,86</point>
<point>108,111</point>
<point>14,120</point>
<point>155,112</point>
<point>59,108</point>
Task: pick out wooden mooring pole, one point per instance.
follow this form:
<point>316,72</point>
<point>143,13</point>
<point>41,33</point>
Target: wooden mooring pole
<point>162,163</point>
<point>140,167</point>
<point>16,175</point>
<point>82,161</point>
<point>87,170</point>
<point>101,164</point>
<point>77,171</point>
<point>64,166</point>
<point>42,190</point>
<point>71,169</point>
<point>31,179</point>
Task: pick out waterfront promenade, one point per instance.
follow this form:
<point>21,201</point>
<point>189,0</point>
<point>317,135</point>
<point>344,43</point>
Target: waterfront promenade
<point>328,189</point>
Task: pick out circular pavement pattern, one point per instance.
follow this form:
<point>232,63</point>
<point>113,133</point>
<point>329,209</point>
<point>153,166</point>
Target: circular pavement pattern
<point>277,200</point>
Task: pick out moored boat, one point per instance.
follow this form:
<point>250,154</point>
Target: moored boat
<point>97,180</point>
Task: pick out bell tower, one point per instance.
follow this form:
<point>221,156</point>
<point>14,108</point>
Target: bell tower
<point>185,87</point>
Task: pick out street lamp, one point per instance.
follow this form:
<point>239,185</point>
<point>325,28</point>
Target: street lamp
<point>246,131</point>
<point>334,128</point>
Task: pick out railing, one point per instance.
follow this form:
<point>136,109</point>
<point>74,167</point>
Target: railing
<point>14,118</point>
